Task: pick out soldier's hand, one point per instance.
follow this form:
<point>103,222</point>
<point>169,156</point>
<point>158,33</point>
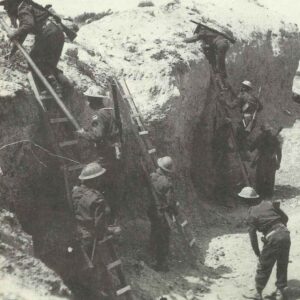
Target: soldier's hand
<point>12,34</point>
<point>80,132</point>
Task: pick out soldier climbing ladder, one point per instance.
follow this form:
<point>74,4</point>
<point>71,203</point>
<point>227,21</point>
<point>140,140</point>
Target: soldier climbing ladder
<point>149,164</point>
<point>50,122</point>
<point>59,149</point>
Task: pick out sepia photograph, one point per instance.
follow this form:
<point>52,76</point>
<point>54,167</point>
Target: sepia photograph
<point>149,149</point>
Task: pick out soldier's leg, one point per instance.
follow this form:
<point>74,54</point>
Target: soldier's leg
<point>270,171</point>
<point>283,259</point>
<point>222,47</point>
<point>163,244</point>
<point>210,55</point>
<point>265,265</point>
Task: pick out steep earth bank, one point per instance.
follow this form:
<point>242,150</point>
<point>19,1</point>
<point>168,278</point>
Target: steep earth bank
<point>33,189</point>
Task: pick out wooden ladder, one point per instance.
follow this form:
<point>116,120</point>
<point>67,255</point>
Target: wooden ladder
<point>149,158</point>
<point>70,171</point>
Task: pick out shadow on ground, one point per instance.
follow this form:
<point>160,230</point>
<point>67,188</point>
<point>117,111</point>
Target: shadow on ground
<point>283,192</point>
<point>294,289</point>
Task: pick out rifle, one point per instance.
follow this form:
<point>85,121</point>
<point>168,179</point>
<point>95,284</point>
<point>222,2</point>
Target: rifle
<point>117,117</point>
<point>69,33</point>
<point>248,128</point>
<point>253,164</point>
<point>227,37</point>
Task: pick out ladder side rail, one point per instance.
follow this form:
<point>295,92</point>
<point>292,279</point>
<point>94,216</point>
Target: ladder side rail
<point>42,78</point>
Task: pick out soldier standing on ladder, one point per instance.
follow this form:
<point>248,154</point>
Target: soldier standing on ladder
<point>104,132</point>
<point>214,47</point>
<point>91,212</point>
<point>49,39</point>
<point>249,106</point>
<point>159,213</point>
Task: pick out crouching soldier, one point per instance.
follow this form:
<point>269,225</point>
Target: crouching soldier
<point>215,47</point>
<point>104,133</point>
<point>268,218</point>
<point>268,160</point>
<point>91,211</point>
<point>49,38</point>
<point>161,212</point>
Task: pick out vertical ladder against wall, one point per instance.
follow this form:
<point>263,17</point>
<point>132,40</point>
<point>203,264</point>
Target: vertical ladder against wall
<point>148,162</point>
<point>71,168</point>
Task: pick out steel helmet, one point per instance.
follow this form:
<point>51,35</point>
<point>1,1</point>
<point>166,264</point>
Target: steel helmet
<point>95,92</point>
<point>91,171</point>
<point>248,193</point>
<point>166,163</point>
<point>247,83</point>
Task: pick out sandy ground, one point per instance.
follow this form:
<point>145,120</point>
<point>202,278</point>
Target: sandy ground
<point>234,252</point>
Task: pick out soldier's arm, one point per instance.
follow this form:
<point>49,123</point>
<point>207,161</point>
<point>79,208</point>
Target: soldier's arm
<point>252,234</point>
<point>26,24</point>
<point>278,153</point>
<point>196,37</point>
<point>281,213</point>
<point>254,145</point>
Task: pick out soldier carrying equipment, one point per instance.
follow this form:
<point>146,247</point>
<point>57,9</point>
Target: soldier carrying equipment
<point>215,46</point>
<point>49,37</point>
<point>160,212</point>
<point>104,132</point>
<point>90,212</point>
<point>268,218</point>
<point>268,160</point>
<point>249,107</point>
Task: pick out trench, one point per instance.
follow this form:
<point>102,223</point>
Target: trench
<point>34,192</point>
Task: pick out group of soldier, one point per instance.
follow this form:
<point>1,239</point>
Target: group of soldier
<point>266,217</point>
<point>96,199</point>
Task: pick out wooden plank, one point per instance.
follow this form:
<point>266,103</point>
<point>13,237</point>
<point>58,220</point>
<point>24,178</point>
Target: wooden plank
<point>68,143</point>
<point>114,264</point>
<point>35,90</point>
<point>124,290</point>
<point>58,120</point>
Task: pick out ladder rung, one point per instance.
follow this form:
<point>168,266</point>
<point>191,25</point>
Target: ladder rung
<point>75,167</point>
<point>144,132</point>
<point>106,239</point>
<point>58,120</point>
<point>192,242</point>
<point>113,264</point>
<point>151,151</point>
<point>68,143</point>
<point>123,290</point>
<point>184,223</point>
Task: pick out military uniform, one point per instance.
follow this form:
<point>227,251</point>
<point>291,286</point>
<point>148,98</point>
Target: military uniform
<point>160,229</point>
<point>88,204</point>
<point>249,105</point>
<point>269,219</point>
<point>49,38</point>
<point>215,48</point>
<point>104,133</point>
<point>268,161</point>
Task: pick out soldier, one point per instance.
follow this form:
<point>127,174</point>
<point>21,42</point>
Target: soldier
<point>249,107</point>
<point>214,47</point>
<point>104,133</point>
<point>49,38</point>
<point>268,218</point>
<point>159,213</point>
<point>268,160</point>
<point>91,212</point>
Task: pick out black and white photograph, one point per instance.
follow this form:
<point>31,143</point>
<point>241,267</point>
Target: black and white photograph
<point>149,149</point>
